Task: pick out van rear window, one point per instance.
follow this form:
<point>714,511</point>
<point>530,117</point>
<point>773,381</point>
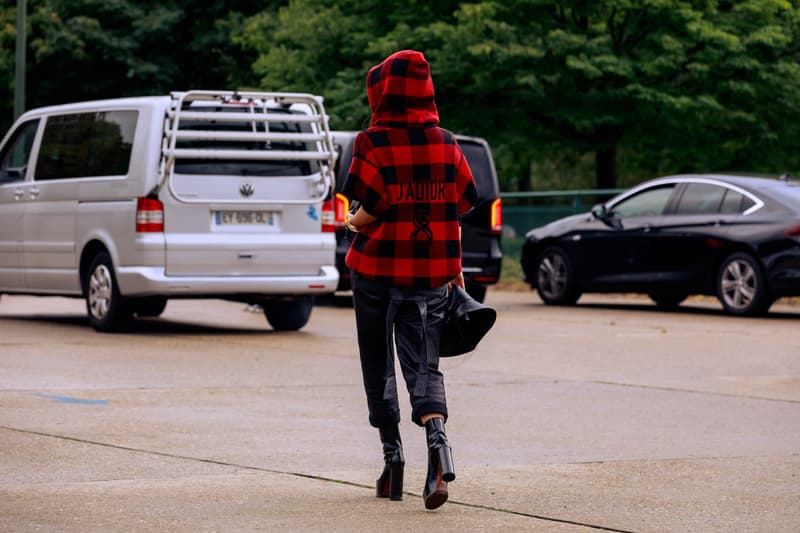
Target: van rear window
<point>245,167</point>
<point>481,167</point>
<point>86,144</point>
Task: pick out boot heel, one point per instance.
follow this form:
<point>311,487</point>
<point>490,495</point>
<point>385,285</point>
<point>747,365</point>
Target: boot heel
<point>383,483</point>
<point>446,462</point>
<point>396,482</point>
<point>390,484</point>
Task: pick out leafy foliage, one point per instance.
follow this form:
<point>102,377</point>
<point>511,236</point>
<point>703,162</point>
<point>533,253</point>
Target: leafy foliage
<point>562,89</point>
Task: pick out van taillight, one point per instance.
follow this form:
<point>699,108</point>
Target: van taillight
<point>333,212</point>
<point>497,216</point>
<point>794,231</point>
<point>149,215</point>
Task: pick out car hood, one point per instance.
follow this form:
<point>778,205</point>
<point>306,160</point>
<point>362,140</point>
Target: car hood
<point>556,227</point>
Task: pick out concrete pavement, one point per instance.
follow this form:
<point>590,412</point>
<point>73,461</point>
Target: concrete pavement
<point>606,416</point>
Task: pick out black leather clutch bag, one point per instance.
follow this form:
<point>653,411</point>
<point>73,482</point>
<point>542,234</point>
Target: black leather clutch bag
<point>466,322</point>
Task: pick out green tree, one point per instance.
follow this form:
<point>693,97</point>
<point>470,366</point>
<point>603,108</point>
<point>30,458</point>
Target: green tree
<point>652,85</point>
<point>604,75</point>
<point>622,89</point>
<point>326,46</point>
<point>87,49</point>
<point>8,31</point>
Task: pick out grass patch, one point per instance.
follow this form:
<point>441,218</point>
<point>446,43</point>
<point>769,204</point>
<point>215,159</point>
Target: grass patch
<point>511,275</point>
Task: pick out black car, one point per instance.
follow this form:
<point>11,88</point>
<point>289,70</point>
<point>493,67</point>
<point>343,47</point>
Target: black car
<point>734,237</point>
<point>480,231</point>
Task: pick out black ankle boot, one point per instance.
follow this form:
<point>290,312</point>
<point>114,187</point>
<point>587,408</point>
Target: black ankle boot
<point>440,465</point>
<point>390,482</point>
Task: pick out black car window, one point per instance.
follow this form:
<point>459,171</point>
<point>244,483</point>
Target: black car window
<point>481,167</point>
<point>14,159</point>
<point>645,203</point>
<point>702,199</point>
<point>735,203</point>
<point>86,144</point>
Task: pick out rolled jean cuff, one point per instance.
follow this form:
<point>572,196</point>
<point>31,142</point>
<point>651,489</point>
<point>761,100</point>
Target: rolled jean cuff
<point>427,408</point>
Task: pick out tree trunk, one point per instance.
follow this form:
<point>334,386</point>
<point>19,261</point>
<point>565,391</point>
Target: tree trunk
<point>524,183</point>
<point>605,160</point>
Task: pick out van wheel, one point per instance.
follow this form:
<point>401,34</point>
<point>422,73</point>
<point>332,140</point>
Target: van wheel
<point>108,310</point>
<point>289,315</point>
<point>742,286</point>
<point>151,306</point>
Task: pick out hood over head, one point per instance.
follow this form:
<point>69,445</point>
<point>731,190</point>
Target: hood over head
<point>400,91</point>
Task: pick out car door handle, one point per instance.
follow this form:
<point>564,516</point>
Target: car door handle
<point>18,194</point>
<point>34,192</point>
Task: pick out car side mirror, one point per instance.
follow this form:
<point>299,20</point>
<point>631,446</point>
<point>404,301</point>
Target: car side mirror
<point>599,211</point>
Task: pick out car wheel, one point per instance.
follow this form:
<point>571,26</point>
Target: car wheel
<point>668,300</point>
<point>555,281</point>
<point>107,309</point>
<point>150,306</point>
<point>741,286</point>
<point>477,291</point>
<point>289,315</point>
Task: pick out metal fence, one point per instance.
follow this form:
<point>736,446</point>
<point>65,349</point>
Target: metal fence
<point>523,211</point>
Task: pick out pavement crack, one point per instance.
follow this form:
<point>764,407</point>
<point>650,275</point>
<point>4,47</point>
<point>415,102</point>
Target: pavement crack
<point>665,388</point>
<point>308,476</point>
<point>694,391</point>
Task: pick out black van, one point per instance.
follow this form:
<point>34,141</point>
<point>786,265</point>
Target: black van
<point>481,228</point>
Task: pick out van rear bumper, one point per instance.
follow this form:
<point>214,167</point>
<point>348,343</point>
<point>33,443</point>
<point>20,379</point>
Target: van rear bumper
<point>146,281</point>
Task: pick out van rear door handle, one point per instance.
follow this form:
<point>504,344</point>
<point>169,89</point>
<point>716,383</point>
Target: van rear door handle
<point>34,192</point>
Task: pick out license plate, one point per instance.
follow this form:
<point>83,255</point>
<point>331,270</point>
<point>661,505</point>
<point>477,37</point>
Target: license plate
<point>246,218</point>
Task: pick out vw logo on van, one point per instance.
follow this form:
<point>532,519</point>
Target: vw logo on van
<point>246,190</point>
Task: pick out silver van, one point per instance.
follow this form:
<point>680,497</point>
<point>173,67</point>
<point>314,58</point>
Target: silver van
<point>201,194</point>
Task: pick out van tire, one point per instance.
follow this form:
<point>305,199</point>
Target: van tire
<point>107,309</point>
<point>289,315</point>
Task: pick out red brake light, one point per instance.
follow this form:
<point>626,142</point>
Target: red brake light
<point>333,212</point>
<point>149,216</point>
<point>794,231</point>
<point>497,216</point>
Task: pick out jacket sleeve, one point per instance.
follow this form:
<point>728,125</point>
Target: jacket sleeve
<point>364,181</point>
<point>465,184</point>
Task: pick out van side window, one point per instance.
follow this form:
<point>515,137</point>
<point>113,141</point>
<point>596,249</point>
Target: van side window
<point>86,144</point>
<point>14,159</point>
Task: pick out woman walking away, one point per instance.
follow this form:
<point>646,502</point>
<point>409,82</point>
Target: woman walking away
<point>413,184</point>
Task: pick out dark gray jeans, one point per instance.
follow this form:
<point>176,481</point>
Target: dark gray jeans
<point>416,316</point>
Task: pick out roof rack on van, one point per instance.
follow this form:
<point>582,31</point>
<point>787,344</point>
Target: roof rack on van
<point>262,109</point>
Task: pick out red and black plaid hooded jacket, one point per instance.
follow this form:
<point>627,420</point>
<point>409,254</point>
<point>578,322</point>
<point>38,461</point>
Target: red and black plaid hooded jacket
<point>410,174</point>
